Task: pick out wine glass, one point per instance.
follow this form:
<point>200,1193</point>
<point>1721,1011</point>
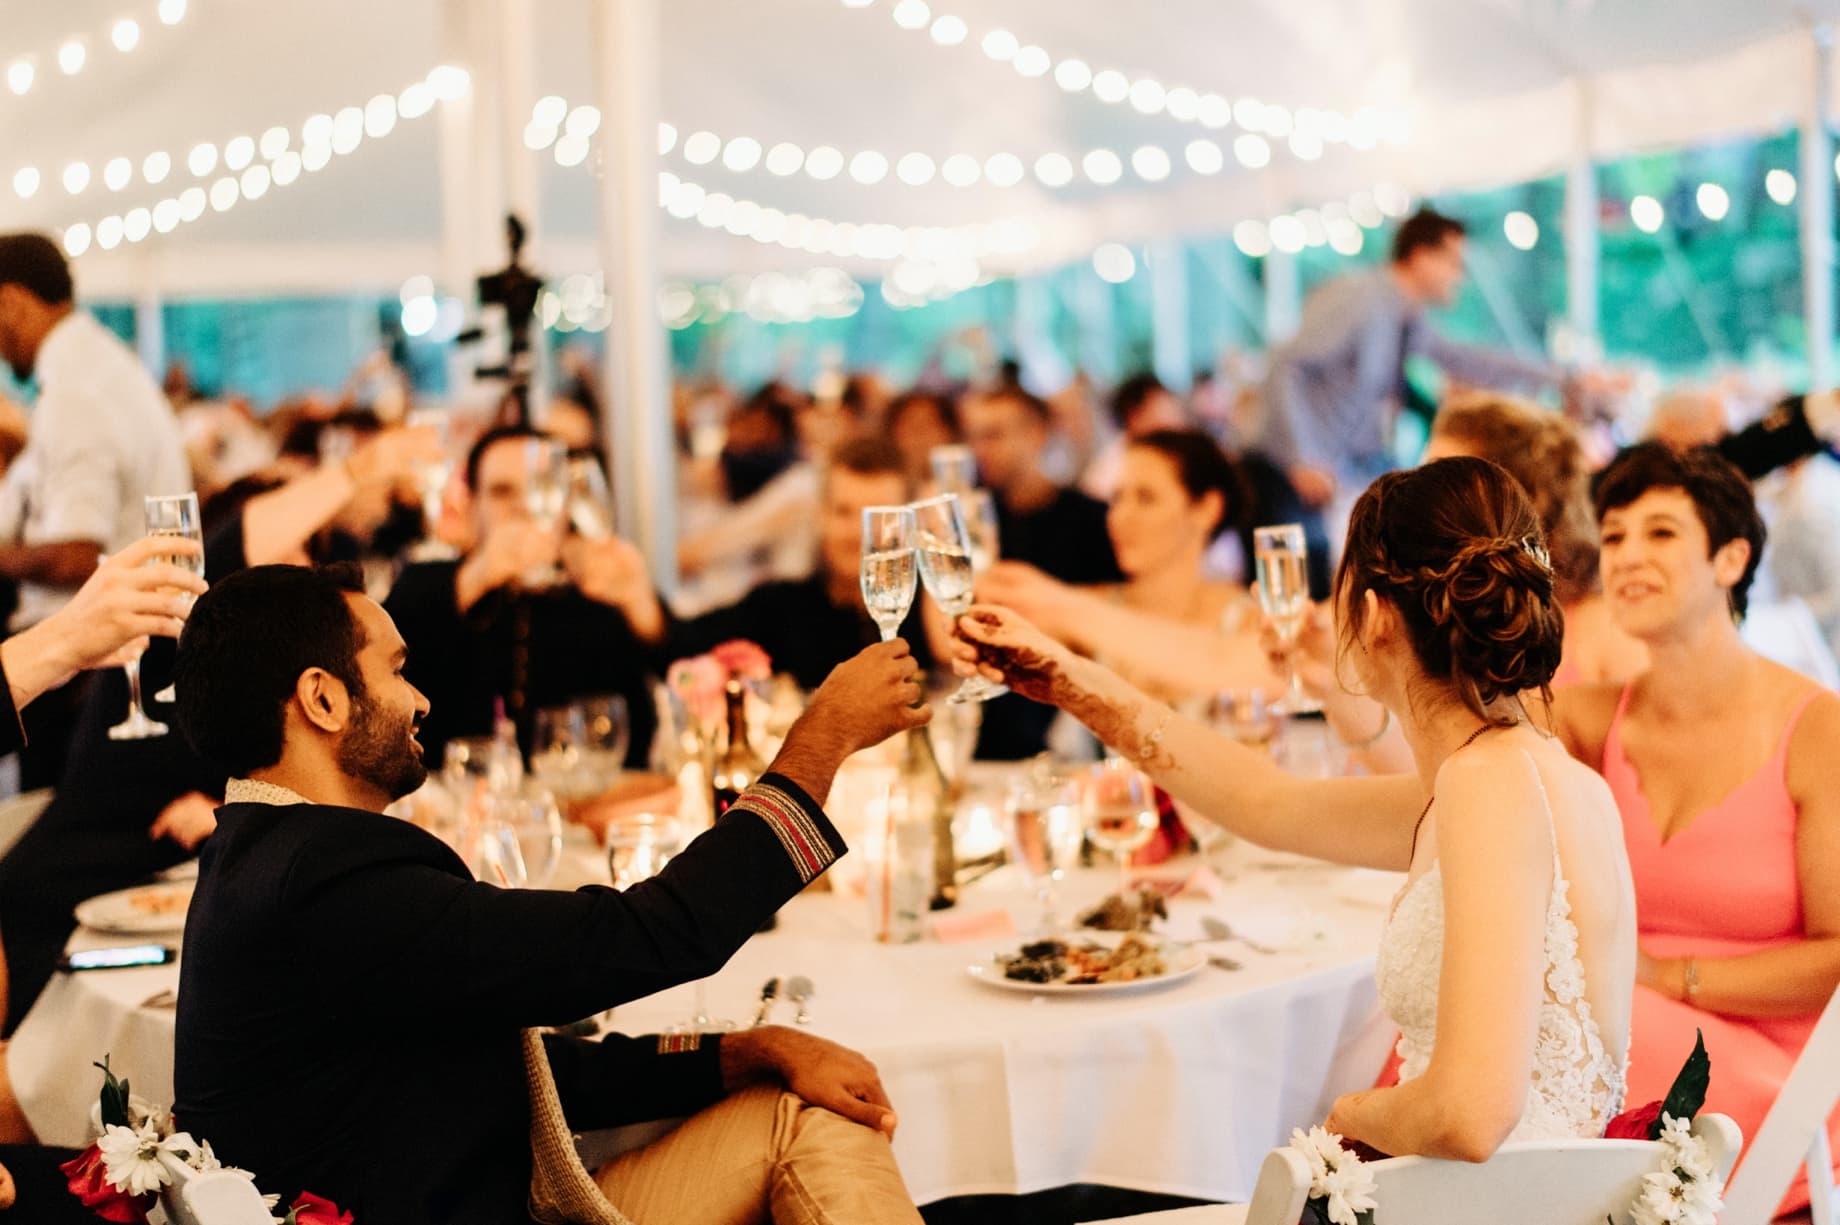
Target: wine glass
<point>945,567</point>
<point>431,478</point>
<point>1121,813</point>
<point>166,515</point>
<point>590,505</point>
<point>556,757</point>
<point>1283,560</point>
<point>533,822</point>
<point>546,495</point>
<point>639,846</point>
<point>954,467</point>
<point>1244,715</point>
<point>979,507</point>
<point>1043,830</point>
<point>888,565</point>
<point>606,733</point>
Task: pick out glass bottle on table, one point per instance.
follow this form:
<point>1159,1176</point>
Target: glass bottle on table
<point>737,766</point>
<point>1282,558</point>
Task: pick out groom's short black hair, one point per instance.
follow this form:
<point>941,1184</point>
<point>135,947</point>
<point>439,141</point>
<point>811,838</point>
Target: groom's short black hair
<point>246,643</point>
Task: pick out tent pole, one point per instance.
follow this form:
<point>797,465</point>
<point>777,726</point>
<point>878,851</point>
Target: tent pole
<point>460,178</point>
<point>150,331</point>
<point>1283,297</point>
<point>1169,345</point>
<point>1816,191</point>
<point>1582,246</point>
<point>638,420</point>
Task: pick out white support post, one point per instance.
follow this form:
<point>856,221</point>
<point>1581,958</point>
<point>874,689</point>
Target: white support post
<point>1283,297</point>
<point>1582,249</point>
<point>638,421</point>
<point>1169,344</point>
<point>1816,194</point>
<point>150,333</point>
<point>468,207</point>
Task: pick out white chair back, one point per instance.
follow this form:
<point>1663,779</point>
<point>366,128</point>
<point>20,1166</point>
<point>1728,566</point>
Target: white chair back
<point>1541,1182</point>
<point>1794,1133</point>
<point>216,1198</point>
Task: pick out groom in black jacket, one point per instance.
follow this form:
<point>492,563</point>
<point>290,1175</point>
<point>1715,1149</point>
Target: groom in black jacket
<point>351,1001</point>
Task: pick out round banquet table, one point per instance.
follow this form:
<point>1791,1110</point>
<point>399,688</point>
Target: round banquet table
<point>1179,1090</point>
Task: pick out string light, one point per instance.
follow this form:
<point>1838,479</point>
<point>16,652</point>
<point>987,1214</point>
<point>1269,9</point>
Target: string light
<point>247,179</point>
<point>1714,201</point>
<point>71,53</point>
<point>1647,214</point>
<point>1521,230</point>
<point>1781,186</point>
<point>1306,130</point>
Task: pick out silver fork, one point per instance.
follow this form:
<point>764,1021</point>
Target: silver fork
<point>1220,929</point>
<point>799,990</point>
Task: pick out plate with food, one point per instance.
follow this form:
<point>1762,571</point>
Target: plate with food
<point>147,910</point>
<point>1090,964</point>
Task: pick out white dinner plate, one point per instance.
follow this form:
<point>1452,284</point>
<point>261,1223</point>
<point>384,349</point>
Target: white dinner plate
<point>1184,961</point>
<point>147,910</point>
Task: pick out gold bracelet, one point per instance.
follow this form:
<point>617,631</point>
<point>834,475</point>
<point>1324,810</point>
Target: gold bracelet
<point>1690,991</point>
<point>1386,724</point>
<point>1155,738</point>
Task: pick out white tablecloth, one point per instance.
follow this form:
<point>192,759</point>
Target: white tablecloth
<point>1181,1090</point>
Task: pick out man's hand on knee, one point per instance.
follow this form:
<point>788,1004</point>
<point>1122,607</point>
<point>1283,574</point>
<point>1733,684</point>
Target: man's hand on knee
<point>820,1072</point>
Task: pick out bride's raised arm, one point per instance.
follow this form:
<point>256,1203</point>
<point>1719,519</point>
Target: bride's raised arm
<point>1363,821</point>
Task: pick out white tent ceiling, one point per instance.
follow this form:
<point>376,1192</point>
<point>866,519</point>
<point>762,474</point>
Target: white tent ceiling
<point>1490,86</point>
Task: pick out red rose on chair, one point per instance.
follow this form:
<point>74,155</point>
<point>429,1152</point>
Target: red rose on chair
<point>1637,1124</point>
<point>89,1182</point>
<point>310,1209</point>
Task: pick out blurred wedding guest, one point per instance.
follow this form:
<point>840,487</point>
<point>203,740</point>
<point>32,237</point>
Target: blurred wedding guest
<point>918,421</point>
<point>102,438</point>
<point>806,626</point>
<point>1509,957</point>
<point>1688,417</point>
<point>771,492</point>
<point>1140,404</point>
<point>1726,770</point>
<point>1336,388</point>
<point>1801,504</point>
<point>294,684</point>
<point>126,809</point>
<point>1168,627</point>
<point>1056,529</point>
<point>531,617</point>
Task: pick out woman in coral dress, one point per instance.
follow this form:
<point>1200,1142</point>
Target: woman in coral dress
<point>1726,771</point>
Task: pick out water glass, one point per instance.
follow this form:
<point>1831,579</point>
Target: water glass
<point>1044,830</point>
<point>606,734</point>
<point>639,846</point>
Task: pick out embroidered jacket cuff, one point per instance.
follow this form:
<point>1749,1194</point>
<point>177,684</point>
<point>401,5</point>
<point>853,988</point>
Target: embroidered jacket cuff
<point>810,841</point>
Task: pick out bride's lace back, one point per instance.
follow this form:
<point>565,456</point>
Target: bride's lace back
<point>1577,1085</point>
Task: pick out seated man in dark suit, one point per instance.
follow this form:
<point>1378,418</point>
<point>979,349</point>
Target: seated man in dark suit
<point>349,995</point>
<point>480,637</point>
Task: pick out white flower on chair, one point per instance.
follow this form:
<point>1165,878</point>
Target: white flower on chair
<point>131,1157</point>
<point>1683,1191</point>
<point>1338,1179</point>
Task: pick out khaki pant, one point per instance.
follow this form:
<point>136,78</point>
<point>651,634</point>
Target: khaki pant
<point>761,1156</point>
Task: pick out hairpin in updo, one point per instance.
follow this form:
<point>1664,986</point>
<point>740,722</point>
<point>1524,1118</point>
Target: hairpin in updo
<point>1538,552</point>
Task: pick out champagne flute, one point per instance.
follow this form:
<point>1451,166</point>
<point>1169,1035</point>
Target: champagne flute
<point>888,566</point>
<point>979,507</point>
<point>166,515</point>
<point>954,467</point>
<point>1121,813</point>
<point>546,495</point>
<point>431,478</point>
<point>945,567</point>
<point>1282,558</point>
<point>590,505</point>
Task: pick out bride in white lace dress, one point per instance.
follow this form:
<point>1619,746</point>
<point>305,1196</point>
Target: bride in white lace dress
<point>1508,961</point>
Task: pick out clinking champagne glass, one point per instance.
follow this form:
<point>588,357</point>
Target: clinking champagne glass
<point>888,566</point>
<point>1121,813</point>
<point>431,478</point>
<point>546,496</point>
<point>979,507</point>
<point>945,567</point>
<point>166,515</point>
<point>954,467</point>
<point>590,505</point>
<point>1283,561</point>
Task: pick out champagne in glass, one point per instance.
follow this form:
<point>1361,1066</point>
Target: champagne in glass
<point>590,505</point>
<point>1121,814</point>
<point>945,567</point>
<point>431,478</point>
<point>979,507</point>
<point>166,515</point>
<point>546,496</point>
<point>1044,831</point>
<point>954,468</point>
<point>1282,559</point>
<point>889,573</point>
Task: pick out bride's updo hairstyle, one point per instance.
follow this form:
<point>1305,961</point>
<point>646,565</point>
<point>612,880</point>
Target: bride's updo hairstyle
<point>1457,548</point>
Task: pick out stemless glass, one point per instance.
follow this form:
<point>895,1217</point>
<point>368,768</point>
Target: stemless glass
<point>1121,814</point>
<point>888,566</point>
<point>1283,561</point>
<point>954,467</point>
<point>944,550</point>
<point>166,515</point>
<point>546,497</point>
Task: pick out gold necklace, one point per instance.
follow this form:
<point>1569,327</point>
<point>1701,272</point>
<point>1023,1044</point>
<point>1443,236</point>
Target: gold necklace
<point>1432,799</point>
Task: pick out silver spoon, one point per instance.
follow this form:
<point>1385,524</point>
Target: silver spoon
<point>799,990</point>
<point>768,994</point>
